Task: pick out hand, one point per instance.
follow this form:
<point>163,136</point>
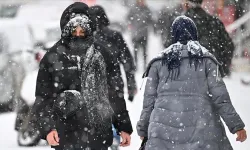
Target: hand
<point>142,138</point>
<point>53,138</point>
<point>241,135</point>
<point>125,139</point>
<point>131,98</point>
<point>131,95</point>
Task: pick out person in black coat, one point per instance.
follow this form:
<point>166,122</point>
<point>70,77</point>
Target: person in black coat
<point>212,34</point>
<point>72,107</point>
<point>115,53</point>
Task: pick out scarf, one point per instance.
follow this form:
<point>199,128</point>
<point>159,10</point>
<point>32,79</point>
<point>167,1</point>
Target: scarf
<point>82,52</point>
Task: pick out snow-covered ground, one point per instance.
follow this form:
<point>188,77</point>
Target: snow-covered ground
<point>240,97</point>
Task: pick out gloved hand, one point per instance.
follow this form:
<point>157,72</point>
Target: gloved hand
<point>131,95</point>
<point>131,98</point>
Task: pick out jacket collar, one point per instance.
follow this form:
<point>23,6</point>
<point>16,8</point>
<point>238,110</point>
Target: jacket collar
<point>184,55</point>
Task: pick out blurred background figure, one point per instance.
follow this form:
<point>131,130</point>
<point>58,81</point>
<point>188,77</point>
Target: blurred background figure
<point>115,53</point>
<point>212,33</point>
<point>27,32</point>
<point>140,19</point>
<point>165,20</point>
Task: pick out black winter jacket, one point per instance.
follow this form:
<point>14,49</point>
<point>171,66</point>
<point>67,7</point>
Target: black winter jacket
<point>83,70</point>
<point>57,73</point>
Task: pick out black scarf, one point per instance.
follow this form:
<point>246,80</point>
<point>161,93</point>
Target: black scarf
<point>77,45</point>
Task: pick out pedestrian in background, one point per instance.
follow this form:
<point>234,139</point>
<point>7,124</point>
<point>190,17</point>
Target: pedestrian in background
<point>212,34</point>
<point>140,19</point>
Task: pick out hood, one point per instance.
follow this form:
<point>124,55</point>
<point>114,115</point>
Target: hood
<point>76,8</point>
<point>99,16</point>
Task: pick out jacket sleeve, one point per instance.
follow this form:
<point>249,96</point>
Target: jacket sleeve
<point>150,95</point>
<point>221,98</point>
<point>226,40</point>
<point>42,108</point>
<point>228,45</point>
<point>121,120</point>
<point>127,60</point>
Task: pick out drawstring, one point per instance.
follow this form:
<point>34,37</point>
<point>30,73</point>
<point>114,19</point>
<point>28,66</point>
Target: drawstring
<point>142,83</point>
<point>217,73</point>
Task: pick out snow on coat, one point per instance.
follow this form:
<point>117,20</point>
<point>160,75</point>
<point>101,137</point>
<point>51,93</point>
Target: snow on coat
<point>184,113</point>
<point>74,64</point>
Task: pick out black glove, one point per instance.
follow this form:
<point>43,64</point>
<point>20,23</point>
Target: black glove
<point>131,98</point>
<point>131,94</point>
